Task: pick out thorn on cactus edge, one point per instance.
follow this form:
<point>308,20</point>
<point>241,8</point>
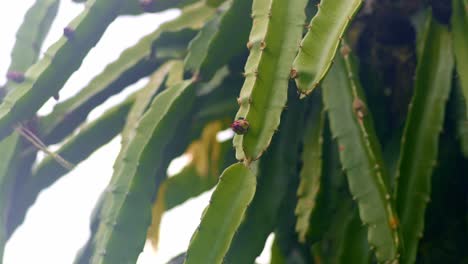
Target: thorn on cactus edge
<point>359,108</point>
<point>293,74</point>
<point>240,126</point>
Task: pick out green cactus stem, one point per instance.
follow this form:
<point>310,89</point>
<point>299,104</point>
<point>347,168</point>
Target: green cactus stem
<point>220,220</point>
<point>360,155</point>
<point>133,64</point>
<point>129,196</point>
<point>459,22</point>
<point>274,39</point>
<point>319,46</point>
<point>45,78</point>
<point>419,144</point>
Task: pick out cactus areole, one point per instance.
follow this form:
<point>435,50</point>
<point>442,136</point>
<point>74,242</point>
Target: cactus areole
<point>15,76</point>
<point>69,32</point>
<point>240,126</point>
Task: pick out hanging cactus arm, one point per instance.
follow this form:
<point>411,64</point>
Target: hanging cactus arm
<point>215,46</point>
<point>319,46</point>
<point>263,213</point>
<point>133,64</point>
<point>349,124</point>
<point>31,34</point>
<point>69,114</point>
<point>75,149</point>
<point>129,196</point>
<point>198,47</point>
<point>29,40</point>
<point>145,96</point>
<point>461,120</point>
<point>273,42</point>
<point>419,145</point>
<point>45,78</point>
<point>311,171</point>
<point>138,7</point>
<point>223,215</point>
<point>8,146</point>
<point>459,22</point>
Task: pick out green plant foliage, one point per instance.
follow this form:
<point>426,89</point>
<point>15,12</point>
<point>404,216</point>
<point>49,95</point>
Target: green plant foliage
<point>345,239</point>
<point>223,215</point>
<point>289,249</point>
<point>137,7</point>
<point>460,119</point>
<point>145,96</point>
<point>134,63</point>
<point>213,47</point>
<point>445,219</point>
<point>262,215</point>
<point>45,78</point>
<point>460,41</point>
<point>360,155</point>
<point>421,137</point>
<point>275,34</point>
<point>128,199</point>
<point>8,147</point>
<point>321,42</point>
<point>85,253</point>
<point>75,149</point>
<point>311,171</point>
<point>315,171</point>
<point>208,159</point>
<point>29,39</point>
<point>32,33</point>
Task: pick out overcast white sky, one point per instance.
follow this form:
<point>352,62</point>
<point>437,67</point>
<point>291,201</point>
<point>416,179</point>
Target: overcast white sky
<point>58,224</point>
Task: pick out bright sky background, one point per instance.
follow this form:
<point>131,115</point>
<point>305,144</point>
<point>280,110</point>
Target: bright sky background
<point>58,224</point>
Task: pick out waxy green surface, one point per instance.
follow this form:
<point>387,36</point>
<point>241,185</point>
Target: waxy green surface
<point>459,27</point>
<point>167,41</point>
<point>319,46</point>
<point>360,157</point>
<point>263,213</point>
<point>419,144</point>
<point>45,78</point>
<point>222,217</point>
<point>273,42</point>
<point>215,45</point>
<point>126,210</point>
<point>311,171</point>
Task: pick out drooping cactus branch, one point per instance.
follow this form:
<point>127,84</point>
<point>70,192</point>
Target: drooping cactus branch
<point>45,78</point>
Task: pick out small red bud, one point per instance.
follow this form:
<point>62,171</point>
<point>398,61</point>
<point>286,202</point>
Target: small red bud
<point>147,5</point>
<point>69,32</point>
<point>15,76</point>
<point>240,126</point>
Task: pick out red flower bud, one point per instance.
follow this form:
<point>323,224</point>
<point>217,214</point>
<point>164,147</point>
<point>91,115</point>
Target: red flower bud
<point>15,76</point>
<point>240,126</point>
<point>69,32</point>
